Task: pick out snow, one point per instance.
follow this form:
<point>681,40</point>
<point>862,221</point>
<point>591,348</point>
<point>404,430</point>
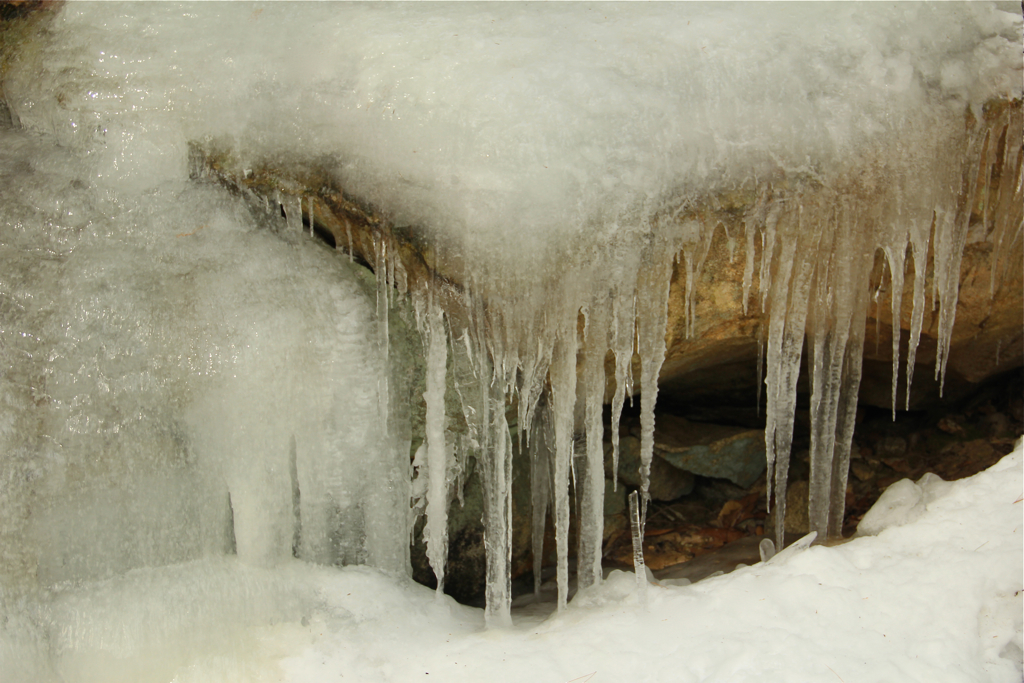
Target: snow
<point>937,599</point>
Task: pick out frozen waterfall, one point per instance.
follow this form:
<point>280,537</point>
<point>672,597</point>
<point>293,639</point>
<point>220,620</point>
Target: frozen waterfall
<point>188,376</point>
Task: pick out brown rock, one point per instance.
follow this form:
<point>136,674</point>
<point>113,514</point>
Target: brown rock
<point>667,482</point>
<point>797,521</point>
<point>861,470</point>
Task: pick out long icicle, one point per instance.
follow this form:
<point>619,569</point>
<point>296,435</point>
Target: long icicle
<point>847,414</point>
<point>782,382</point>
<point>896,257</point>
<point>540,482</point>
<point>563,403</point>
<point>591,522</point>
<point>435,531</point>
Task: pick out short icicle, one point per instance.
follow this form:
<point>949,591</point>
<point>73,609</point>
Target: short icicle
<point>636,525</point>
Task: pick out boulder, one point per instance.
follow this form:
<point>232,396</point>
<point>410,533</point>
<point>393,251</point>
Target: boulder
<point>710,450</point>
<point>668,482</point>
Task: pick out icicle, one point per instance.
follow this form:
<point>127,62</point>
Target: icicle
<point>312,220</point>
<point>652,316</point>
<point>919,236</point>
<point>951,226</point>
<point>532,377</point>
<point>896,258</point>
<point>591,521</point>
<point>623,337</point>
<point>768,234</point>
<point>779,300</point>
<point>636,525</point>
<point>383,285</point>
<point>540,493</point>
<point>563,402</point>
<point>496,459</point>
<point>847,414</point>
<point>844,276</point>
<point>435,531</point>
<point>785,342</point>
<point>826,342</point>
<point>386,509</point>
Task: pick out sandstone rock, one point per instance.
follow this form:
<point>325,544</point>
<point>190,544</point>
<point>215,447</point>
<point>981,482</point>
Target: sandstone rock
<point>797,522</point>
<point>715,358</point>
<point>710,370</point>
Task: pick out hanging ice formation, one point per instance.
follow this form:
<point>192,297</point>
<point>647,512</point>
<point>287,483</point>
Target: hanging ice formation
<point>538,353</point>
<point>542,351</point>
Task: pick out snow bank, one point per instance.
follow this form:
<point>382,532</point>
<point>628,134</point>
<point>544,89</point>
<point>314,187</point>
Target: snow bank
<point>934,599</point>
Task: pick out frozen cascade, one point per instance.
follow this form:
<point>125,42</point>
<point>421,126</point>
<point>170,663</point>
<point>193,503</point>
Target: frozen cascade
<point>561,223</point>
<point>186,413</point>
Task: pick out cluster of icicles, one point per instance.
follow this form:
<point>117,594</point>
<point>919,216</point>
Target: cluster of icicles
<point>537,352</point>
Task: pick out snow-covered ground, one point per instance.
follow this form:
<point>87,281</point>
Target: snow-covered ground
<point>934,595</point>
<point>936,599</point>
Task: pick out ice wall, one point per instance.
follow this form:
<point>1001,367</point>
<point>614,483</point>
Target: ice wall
<point>184,376</point>
<point>556,159</point>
